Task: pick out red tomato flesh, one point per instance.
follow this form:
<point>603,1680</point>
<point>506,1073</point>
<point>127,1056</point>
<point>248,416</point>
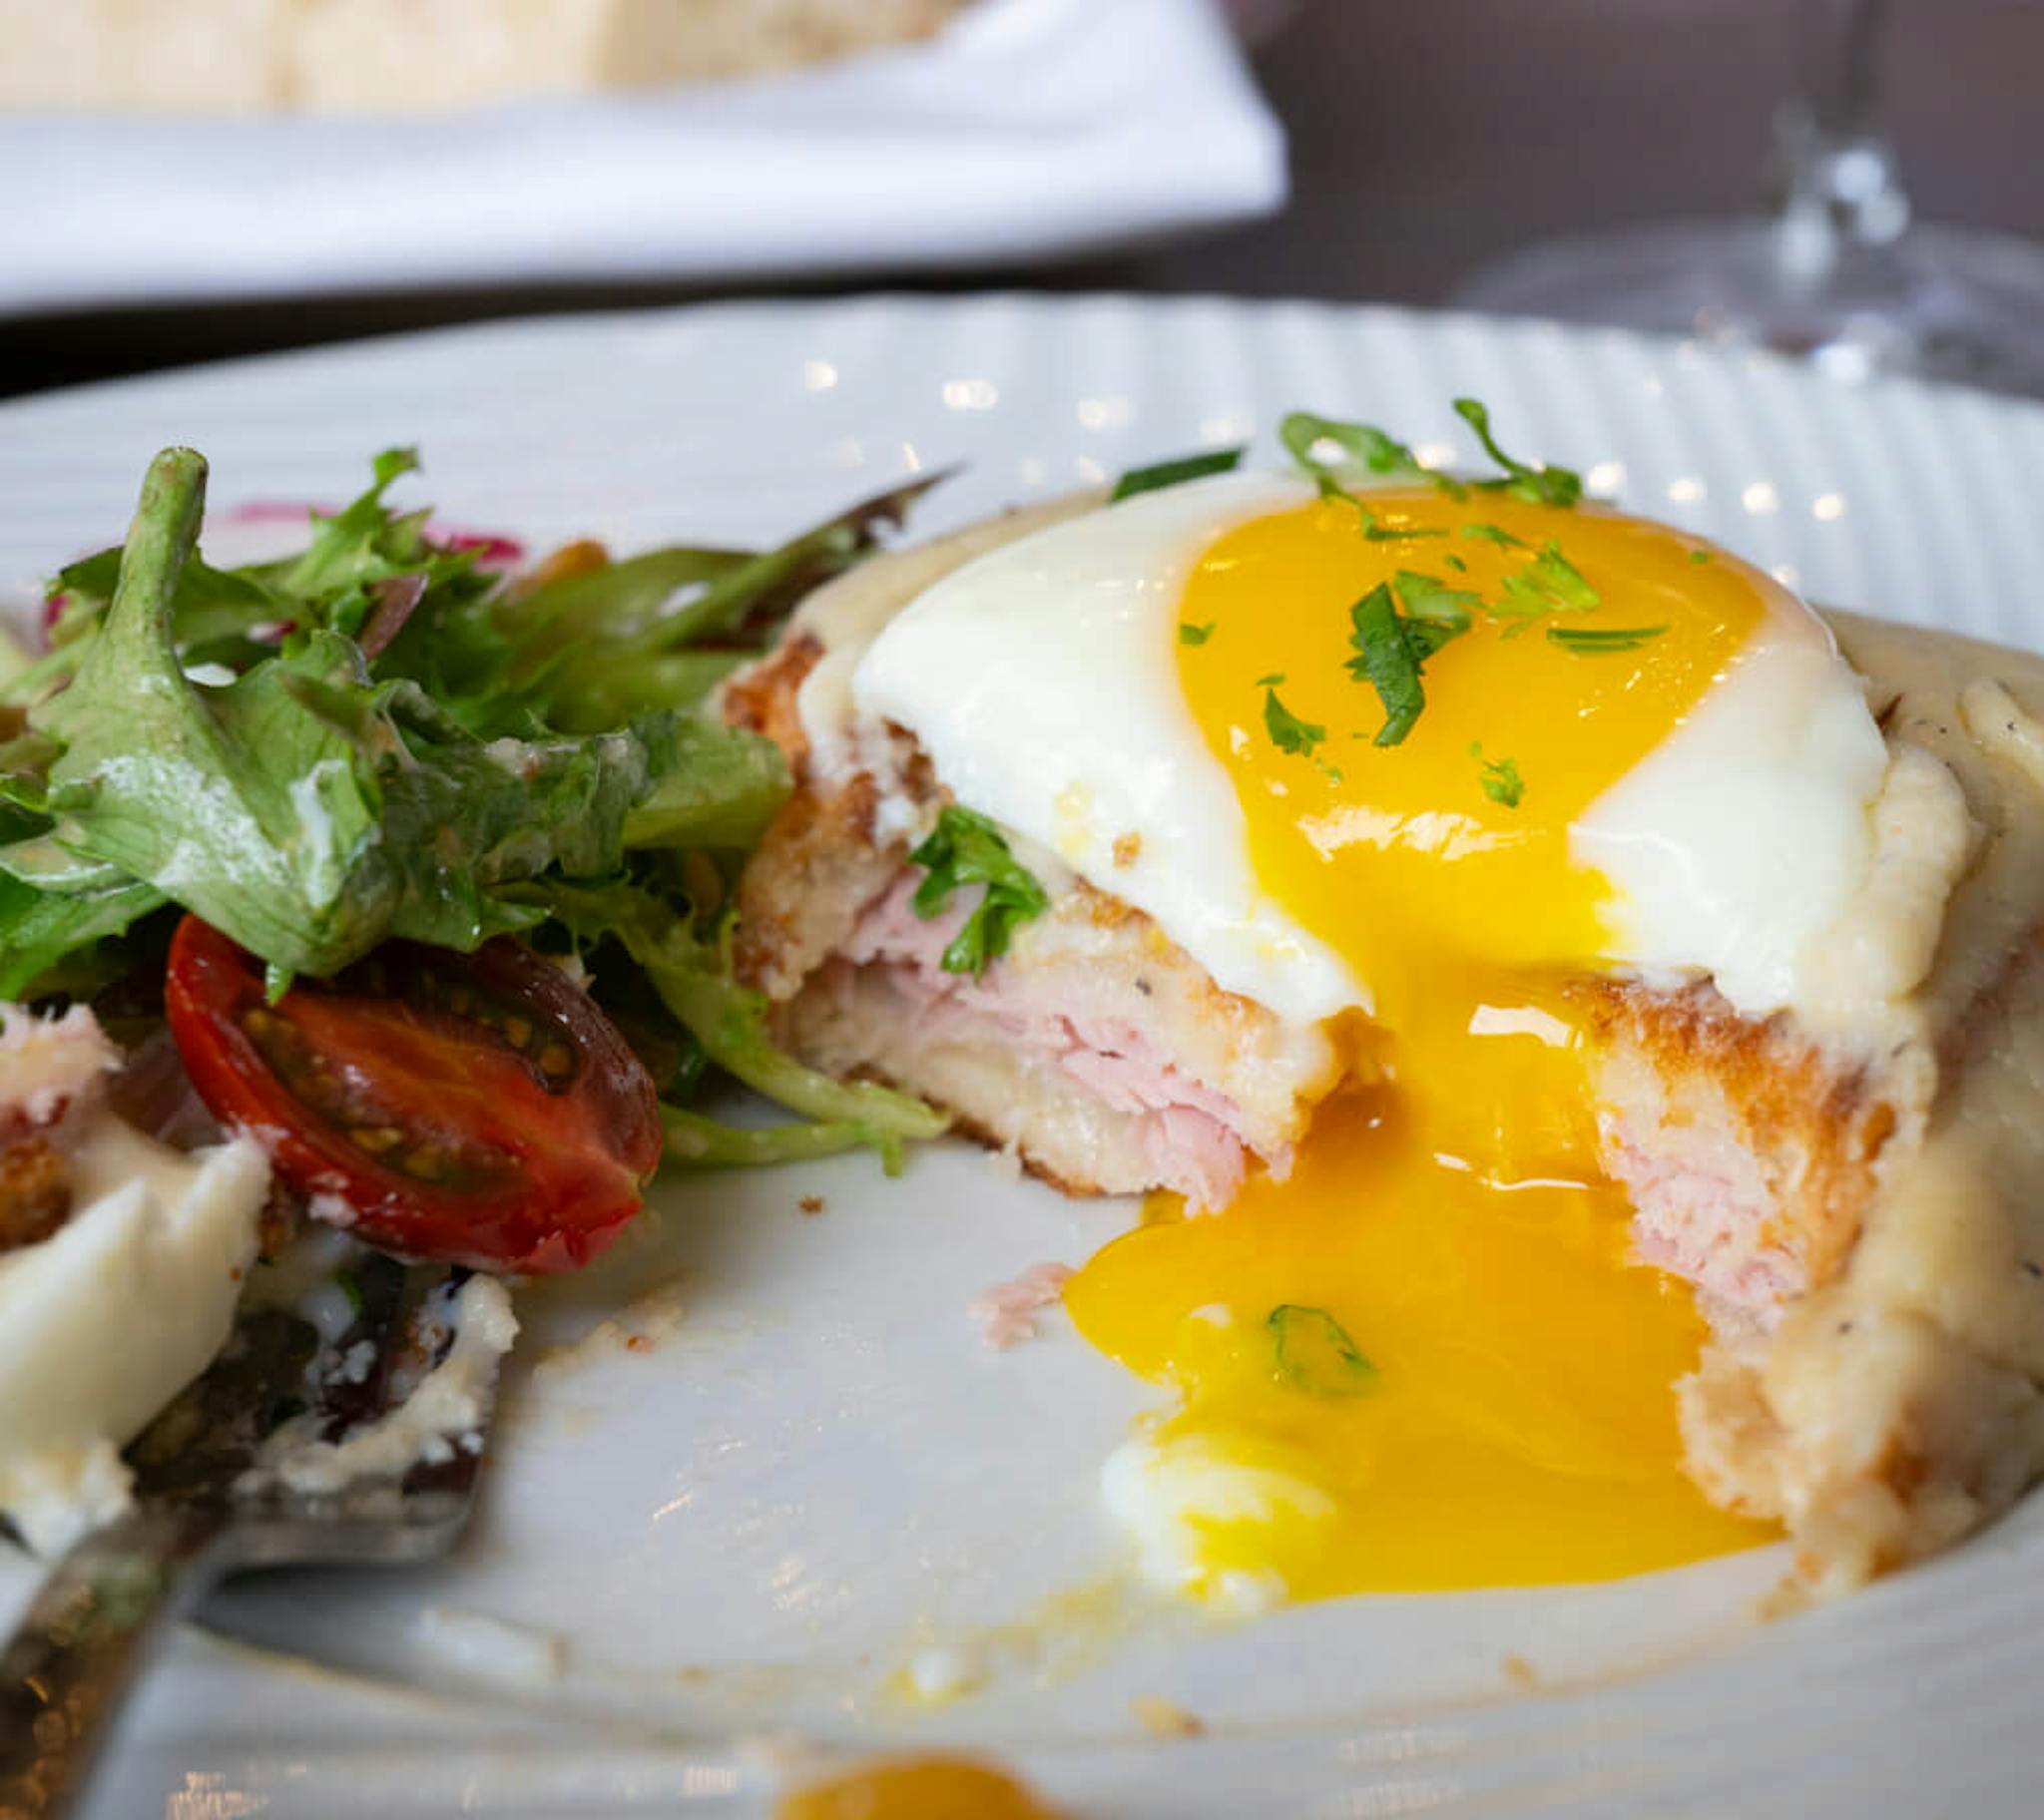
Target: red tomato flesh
<point>472,1109</point>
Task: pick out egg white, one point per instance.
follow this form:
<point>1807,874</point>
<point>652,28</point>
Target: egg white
<point>1041,680</point>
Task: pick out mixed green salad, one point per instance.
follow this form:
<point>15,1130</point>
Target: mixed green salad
<point>294,794</point>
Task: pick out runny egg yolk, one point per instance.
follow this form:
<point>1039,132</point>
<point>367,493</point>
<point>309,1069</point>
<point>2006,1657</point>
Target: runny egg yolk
<point>1425,1360</point>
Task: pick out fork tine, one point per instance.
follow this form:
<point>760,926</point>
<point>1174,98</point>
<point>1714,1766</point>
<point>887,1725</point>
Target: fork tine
<point>200,1516</point>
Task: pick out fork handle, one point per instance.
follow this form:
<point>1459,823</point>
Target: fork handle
<point>65,1673</point>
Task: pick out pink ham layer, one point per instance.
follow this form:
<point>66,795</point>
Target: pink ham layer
<point>1189,1134</point>
<point>1701,1212</point>
<point>1702,1206</point>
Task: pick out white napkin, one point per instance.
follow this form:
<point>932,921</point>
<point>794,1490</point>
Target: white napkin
<point>1028,127</point>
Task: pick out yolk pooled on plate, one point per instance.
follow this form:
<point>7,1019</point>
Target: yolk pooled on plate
<point>1424,1359</point>
<point>916,1788</point>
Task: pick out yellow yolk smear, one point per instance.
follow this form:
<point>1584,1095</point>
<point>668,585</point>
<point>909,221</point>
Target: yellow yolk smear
<point>916,1788</point>
<point>1425,1360</point>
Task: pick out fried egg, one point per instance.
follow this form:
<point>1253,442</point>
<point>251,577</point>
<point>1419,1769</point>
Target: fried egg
<point>1424,1359</point>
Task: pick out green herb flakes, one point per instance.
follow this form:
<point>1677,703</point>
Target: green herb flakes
<point>1485,532</point>
<point>967,850</point>
<point>1434,611</point>
<point>1313,1352</point>
<point>1173,473</point>
<point>1393,648</point>
<point>1603,641</point>
<point>1289,734</point>
<point>1500,778</point>
<point>1542,486</point>
<point>1549,583</point>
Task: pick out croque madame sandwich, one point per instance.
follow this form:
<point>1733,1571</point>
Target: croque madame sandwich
<point>1465,897</point>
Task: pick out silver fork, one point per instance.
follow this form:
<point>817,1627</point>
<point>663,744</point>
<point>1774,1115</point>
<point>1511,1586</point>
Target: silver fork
<point>110,1600</point>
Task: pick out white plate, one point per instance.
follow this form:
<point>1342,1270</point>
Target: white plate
<point>813,1471</point>
<point>1027,130</point>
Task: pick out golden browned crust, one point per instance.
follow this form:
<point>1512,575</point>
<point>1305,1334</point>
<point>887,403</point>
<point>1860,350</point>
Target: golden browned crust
<point>763,697</point>
<point>1816,1122</point>
<point>815,869</point>
<point>35,1192</point>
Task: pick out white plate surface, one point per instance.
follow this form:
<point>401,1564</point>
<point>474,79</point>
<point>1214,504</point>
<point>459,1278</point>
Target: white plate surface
<point>808,1470</point>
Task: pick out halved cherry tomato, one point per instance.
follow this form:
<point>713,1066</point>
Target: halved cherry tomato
<point>477,1108</point>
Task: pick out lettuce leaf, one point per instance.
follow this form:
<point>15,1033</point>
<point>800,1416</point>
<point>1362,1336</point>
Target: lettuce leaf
<point>42,933</point>
<point>721,790</point>
<point>335,584</point>
<point>299,808</point>
<point>594,648</point>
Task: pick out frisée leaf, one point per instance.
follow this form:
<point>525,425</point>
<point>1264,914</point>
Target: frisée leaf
<point>299,808</point>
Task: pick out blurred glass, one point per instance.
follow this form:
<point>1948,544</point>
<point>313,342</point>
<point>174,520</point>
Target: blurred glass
<point>1836,270</point>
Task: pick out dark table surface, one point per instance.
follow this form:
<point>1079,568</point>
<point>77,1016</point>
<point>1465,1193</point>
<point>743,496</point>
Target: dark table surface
<point>1428,137</point>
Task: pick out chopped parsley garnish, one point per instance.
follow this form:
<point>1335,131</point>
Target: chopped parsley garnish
<point>1392,647</point>
<point>1172,473</point>
<point>967,850</point>
<point>1371,453</point>
<point>1271,680</point>
<point>1700,555</point>
<point>1375,531</point>
<point>1189,633</point>
<point>1603,641</point>
<point>1500,778</point>
<point>1388,658</point>
<point>1542,486</point>
<point>1289,734</point>
<point>1456,563</point>
<point>1436,612</point>
<point>1367,446</point>
<point>1313,1352</point>
<point>1495,534</point>
<point>1550,583</point>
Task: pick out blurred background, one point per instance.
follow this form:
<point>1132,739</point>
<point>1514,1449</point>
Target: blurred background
<point>1352,150</point>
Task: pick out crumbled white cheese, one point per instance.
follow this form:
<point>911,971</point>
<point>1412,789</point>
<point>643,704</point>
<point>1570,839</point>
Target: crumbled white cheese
<point>334,1211</point>
<point>106,1319</point>
<point>356,1364</point>
<point>444,1412</point>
